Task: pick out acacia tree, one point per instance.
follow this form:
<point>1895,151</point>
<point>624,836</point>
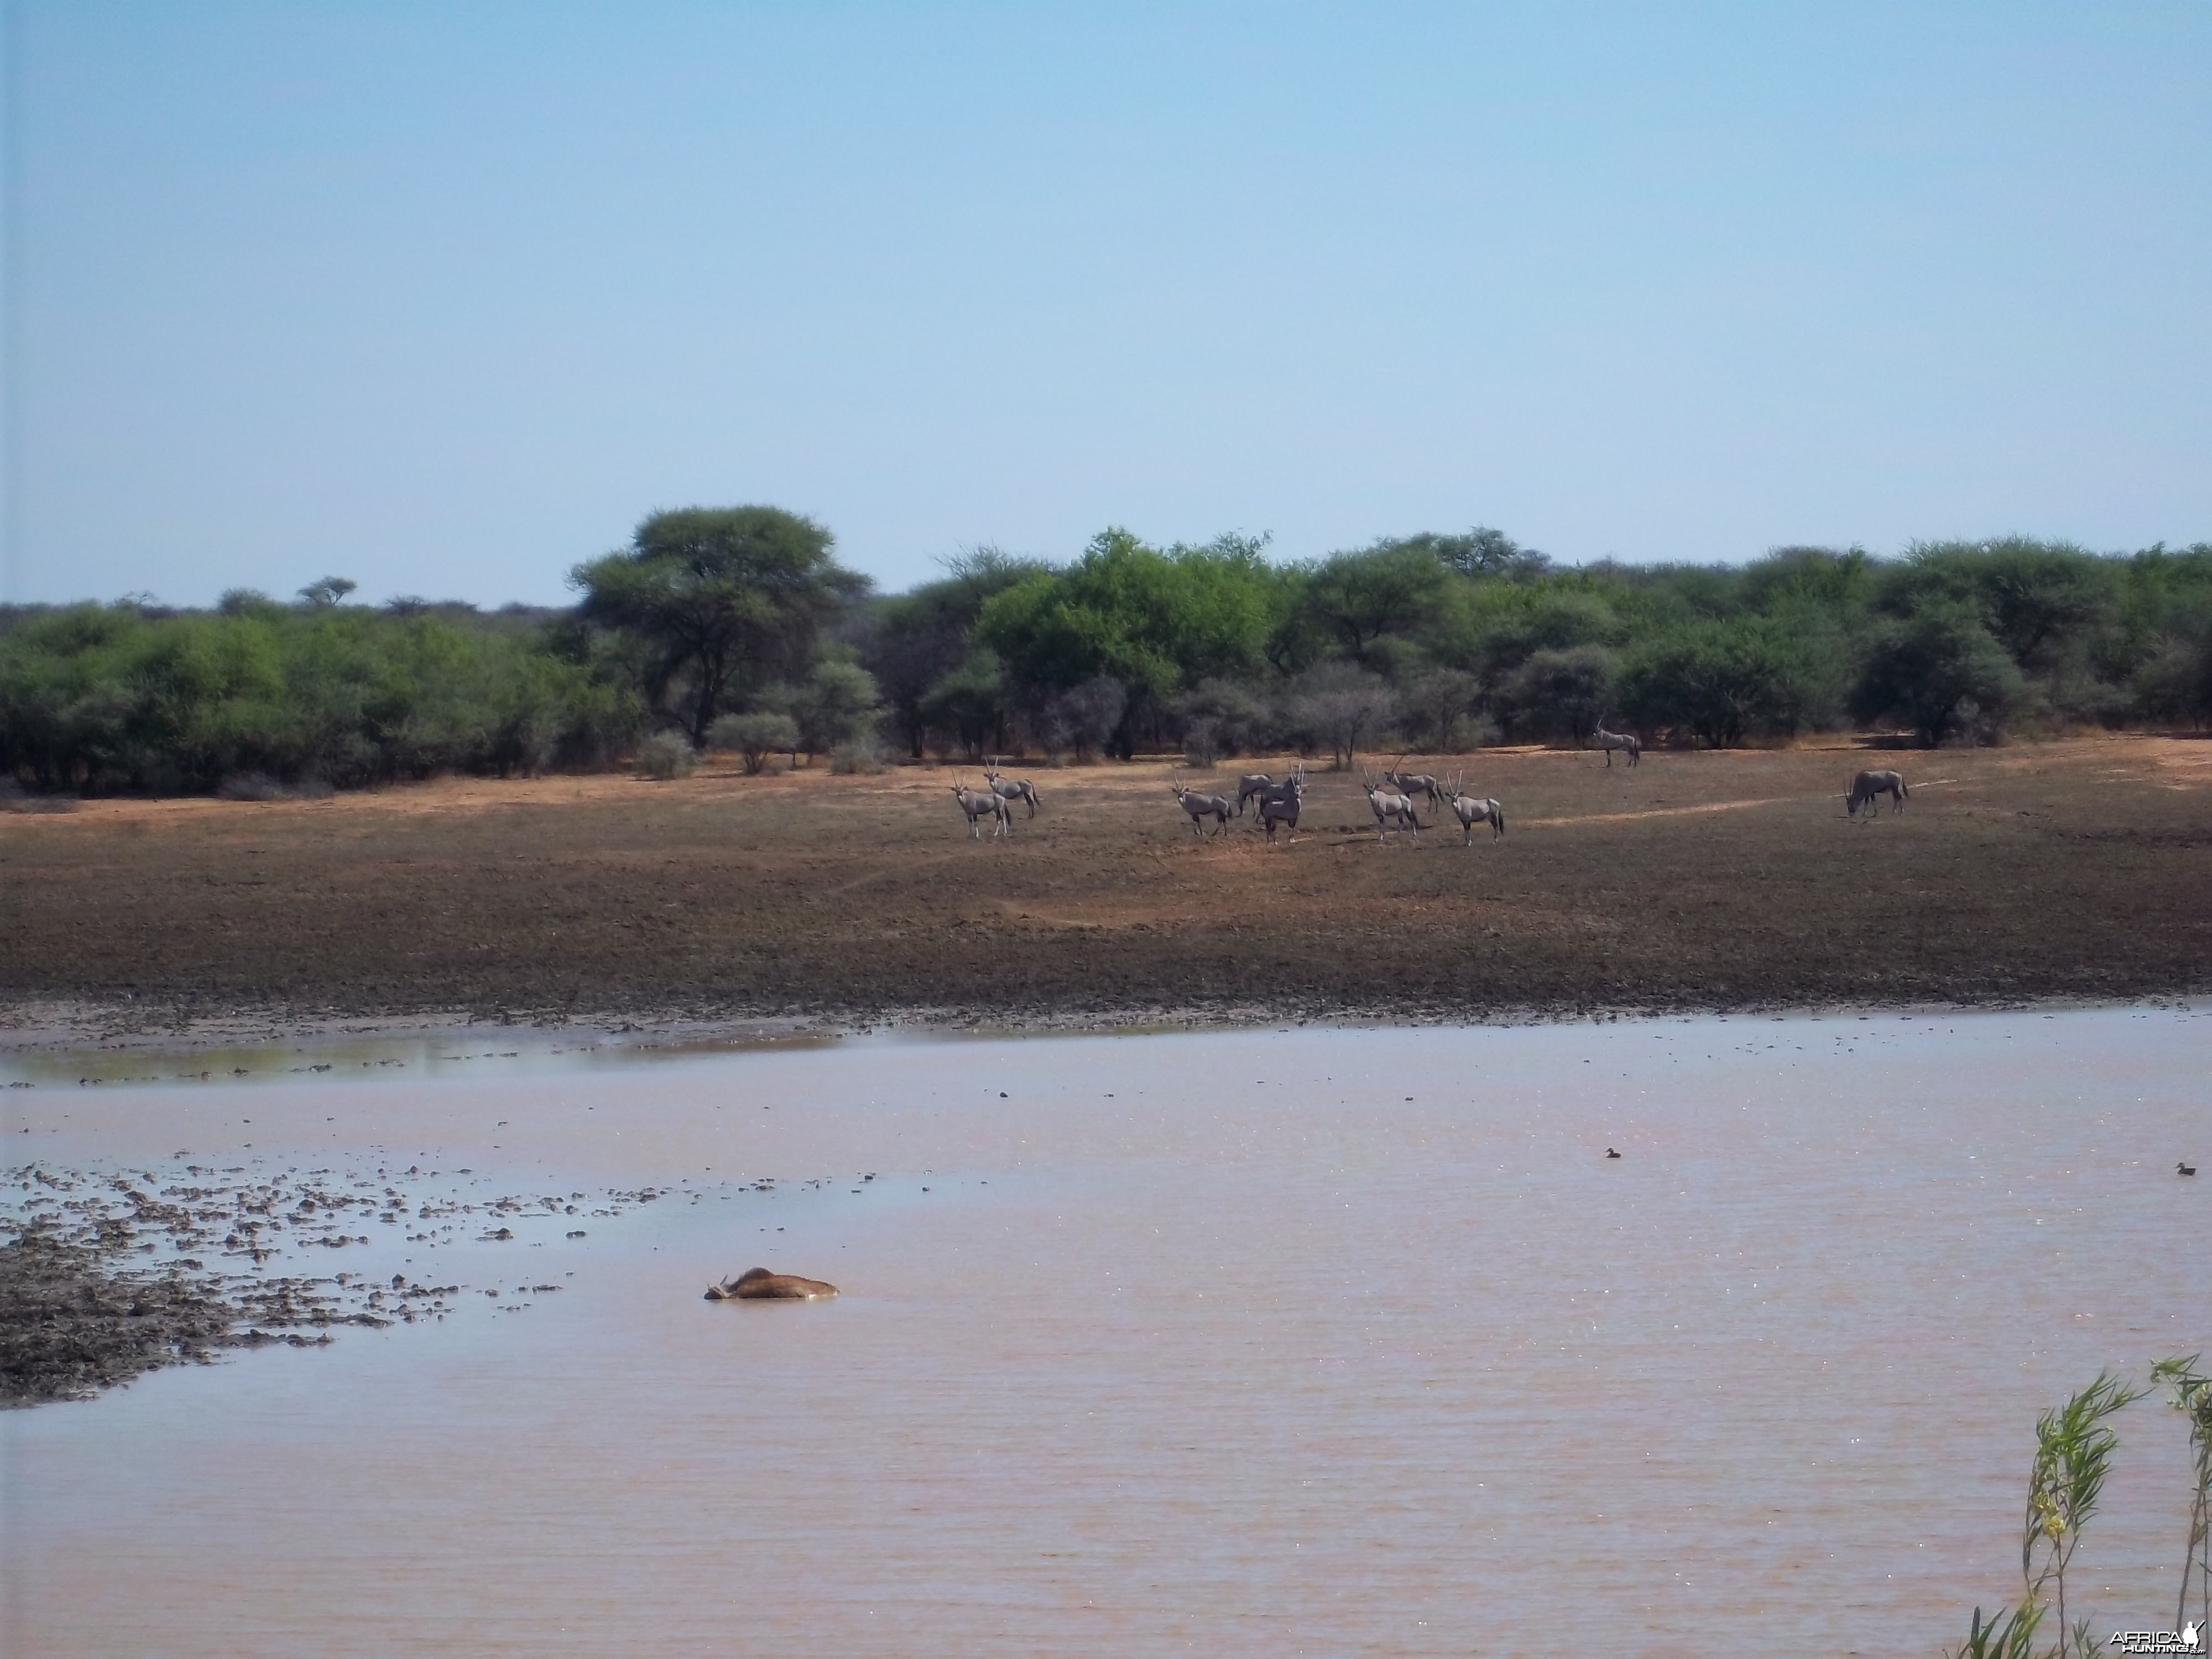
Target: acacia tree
<point>718,600</point>
<point>1928,668</point>
<point>1356,599</point>
<point>914,640</point>
<point>1563,691</point>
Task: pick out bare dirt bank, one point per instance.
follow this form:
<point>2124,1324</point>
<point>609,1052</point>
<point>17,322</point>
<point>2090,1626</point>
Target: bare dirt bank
<point>2079,870</point>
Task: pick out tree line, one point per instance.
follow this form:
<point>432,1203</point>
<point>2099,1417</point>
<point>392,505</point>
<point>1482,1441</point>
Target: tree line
<point>738,628</point>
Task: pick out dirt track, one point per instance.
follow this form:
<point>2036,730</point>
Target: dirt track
<point>2082,869</point>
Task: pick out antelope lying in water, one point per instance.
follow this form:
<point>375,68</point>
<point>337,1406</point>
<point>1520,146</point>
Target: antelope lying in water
<point>979,804</point>
<point>1869,787</point>
<point>762,1286</point>
<point>1202,807</point>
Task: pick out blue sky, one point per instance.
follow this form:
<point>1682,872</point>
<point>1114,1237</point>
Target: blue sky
<point>445,297</point>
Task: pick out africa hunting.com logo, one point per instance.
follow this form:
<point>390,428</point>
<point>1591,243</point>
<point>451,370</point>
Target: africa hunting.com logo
<point>2188,1639</point>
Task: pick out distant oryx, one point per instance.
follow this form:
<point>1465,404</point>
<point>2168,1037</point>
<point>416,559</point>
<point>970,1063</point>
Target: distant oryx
<point>1217,807</point>
<point>1390,807</point>
<point>1416,783</point>
<point>1867,789</point>
<point>1470,811</point>
<point>979,804</point>
<point>1010,789</point>
<point>1627,742</point>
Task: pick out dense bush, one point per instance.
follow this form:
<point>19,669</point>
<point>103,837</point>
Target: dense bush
<point>99,698</point>
<point>1430,641</point>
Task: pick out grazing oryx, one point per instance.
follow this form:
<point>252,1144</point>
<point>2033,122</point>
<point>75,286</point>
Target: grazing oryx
<point>1471,812</point>
<point>1416,783</point>
<point>1390,807</point>
<point>1627,742</point>
<point>1867,789</point>
<point>1201,807</point>
<point>1010,789</point>
<point>979,804</point>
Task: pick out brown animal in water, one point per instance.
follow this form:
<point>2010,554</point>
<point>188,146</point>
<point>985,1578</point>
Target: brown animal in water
<point>762,1286</point>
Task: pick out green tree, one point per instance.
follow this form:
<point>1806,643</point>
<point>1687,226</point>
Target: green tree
<point>1718,680</point>
<point>911,642</point>
<point>2034,597</point>
<point>970,702</point>
<point>835,703</point>
<point>1154,620</point>
<point>718,600</point>
<point>1481,551</point>
<point>755,736</point>
<point>1355,600</point>
<point>1559,693</point>
<point>1926,670</point>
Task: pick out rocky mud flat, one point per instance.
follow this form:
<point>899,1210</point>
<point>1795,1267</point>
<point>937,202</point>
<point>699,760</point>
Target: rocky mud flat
<point>105,1275</point>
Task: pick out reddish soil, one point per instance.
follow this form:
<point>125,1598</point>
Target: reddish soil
<point>2080,869</point>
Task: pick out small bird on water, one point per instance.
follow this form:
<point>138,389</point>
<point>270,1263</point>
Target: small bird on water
<point>1609,1152</point>
<point>2186,1168</point>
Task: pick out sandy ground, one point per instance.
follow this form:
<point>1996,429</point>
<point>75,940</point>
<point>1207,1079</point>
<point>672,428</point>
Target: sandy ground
<point>2079,870</point>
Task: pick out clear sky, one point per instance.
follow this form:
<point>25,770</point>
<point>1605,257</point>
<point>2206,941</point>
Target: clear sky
<point>445,297</point>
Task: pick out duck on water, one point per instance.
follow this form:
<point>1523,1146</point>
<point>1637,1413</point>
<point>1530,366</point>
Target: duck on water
<point>761,1285</point>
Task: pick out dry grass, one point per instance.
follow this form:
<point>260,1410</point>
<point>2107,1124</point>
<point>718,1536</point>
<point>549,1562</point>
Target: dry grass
<point>2080,869</point>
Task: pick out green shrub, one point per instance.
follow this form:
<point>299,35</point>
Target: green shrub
<point>862,755</point>
<point>665,755</point>
<point>755,736</point>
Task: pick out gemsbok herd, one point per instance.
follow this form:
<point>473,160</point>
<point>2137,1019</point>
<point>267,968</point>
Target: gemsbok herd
<point>1395,799</point>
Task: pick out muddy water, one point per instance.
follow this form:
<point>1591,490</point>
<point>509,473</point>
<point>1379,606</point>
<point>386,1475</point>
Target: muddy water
<point>1277,1342</point>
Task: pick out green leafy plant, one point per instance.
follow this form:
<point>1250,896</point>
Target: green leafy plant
<point>665,755</point>
<point>2073,1447</point>
<point>755,736</point>
<point>2190,1393</point>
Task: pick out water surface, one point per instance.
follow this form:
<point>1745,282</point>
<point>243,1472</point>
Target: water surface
<point>1307,1342</point>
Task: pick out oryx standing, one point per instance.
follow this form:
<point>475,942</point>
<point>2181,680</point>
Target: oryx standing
<point>979,804</point>
<point>1281,809</point>
<point>1202,807</point>
<point>1010,789</point>
<point>1626,742</point>
<point>1471,810</point>
<point>1415,783</point>
<point>1869,787</point>
<point>1267,789</point>
<point>1390,807</point>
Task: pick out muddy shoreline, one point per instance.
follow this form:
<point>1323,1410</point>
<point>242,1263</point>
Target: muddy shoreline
<point>805,904</point>
<point>107,1273</point>
<point>51,1030</point>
